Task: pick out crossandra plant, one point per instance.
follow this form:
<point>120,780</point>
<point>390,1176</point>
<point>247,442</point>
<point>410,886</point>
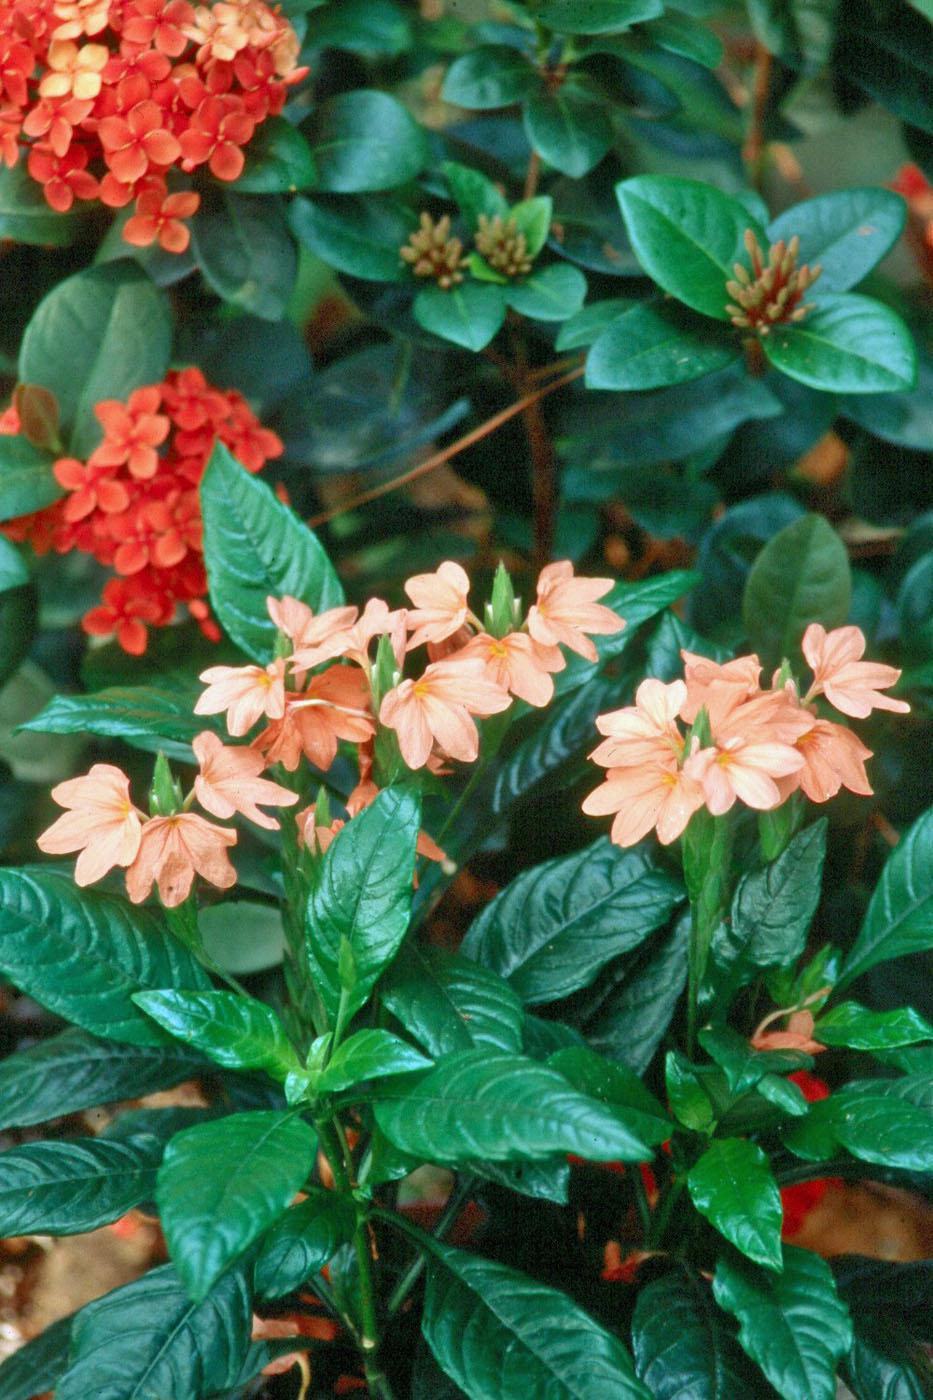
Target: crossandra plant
<point>620,1059</point>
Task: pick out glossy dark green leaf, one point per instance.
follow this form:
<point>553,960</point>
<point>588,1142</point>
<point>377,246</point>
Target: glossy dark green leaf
<point>596,16</point>
<point>14,572</point>
<point>885,1360</point>
<point>687,236</point>
<point>772,908</point>
<point>235,1031</point>
<point>450,1003</point>
<point>556,925</point>
<point>481,1104</point>
<point>18,624</point>
<point>684,1346</point>
<point>792,1324</point>
<point>490,76</point>
<point>73,1070</point>
<point>97,335</point>
<point>369,1054</point>
<point>569,125</point>
<point>617,1087</point>
<point>36,1366</point>
<point>905,419</point>
<point>899,918</point>
<point>858,1028</point>
<point>245,251</point>
<point>801,576</point>
<point>366,140</point>
<point>846,232</point>
<point>888,54</point>
<point>732,1186</point>
<point>656,343</point>
<point>25,216</point>
<point>148,1341</point>
<point>474,193</point>
<point>590,323</point>
<point>361,26</point>
<point>123,712</point>
<point>255,546</point>
<point>82,953</point>
<point>278,160</point>
<point>362,897</point>
<point>302,1242</point>
<point>67,1188</point>
<point>469,314</point>
<point>357,234</point>
<point>849,345</point>
<point>549,293</point>
<point>873,1126</point>
<point>800,32</point>
<point>221,1185</point>
<point>639,1002</point>
<point>496,1332</point>
<point>686,1093</point>
<point>684,36</point>
<point>26,480</point>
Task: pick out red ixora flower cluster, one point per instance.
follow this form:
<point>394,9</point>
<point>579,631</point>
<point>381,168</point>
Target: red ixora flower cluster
<point>110,95</point>
<point>134,503</point>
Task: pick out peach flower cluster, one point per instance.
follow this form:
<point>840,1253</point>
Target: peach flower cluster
<point>103,824</point>
<point>716,737</point>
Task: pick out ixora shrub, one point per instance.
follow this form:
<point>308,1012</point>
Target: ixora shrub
<point>371,751</point>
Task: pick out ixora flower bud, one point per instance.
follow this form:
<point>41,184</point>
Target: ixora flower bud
<point>772,294</point>
<point>432,252</point>
<point>503,246</point>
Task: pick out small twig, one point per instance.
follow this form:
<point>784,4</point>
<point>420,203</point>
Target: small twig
<point>531,176</point>
<point>753,150</point>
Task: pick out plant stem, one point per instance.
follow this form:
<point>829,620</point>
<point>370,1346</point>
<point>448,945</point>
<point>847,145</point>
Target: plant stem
<point>531,176</point>
<point>665,1210</point>
<point>415,1269</point>
<point>641,1203</point>
<point>753,150</point>
<point>446,453</point>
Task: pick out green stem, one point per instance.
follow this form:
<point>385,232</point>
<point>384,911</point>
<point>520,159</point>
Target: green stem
<point>641,1202</point>
<point>415,1269</point>
<point>665,1210</point>
<point>707,852</point>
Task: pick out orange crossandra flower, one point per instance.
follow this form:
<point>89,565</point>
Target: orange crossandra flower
<point>645,732</point>
<point>798,1034</point>
<point>376,620</point>
<point>850,684</point>
<point>304,629</point>
<point>335,705</point>
<point>245,693</point>
<point>100,822</point>
<point>654,794</point>
<point>566,610</point>
<point>739,769</point>
<point>438,707</point>
<point>229,782</point>
<point>441,605</point>
<point>833,757</point>
<point>314,835</point>
<point>719,687</point>
<point>517,663</point>
<point>172,850</point>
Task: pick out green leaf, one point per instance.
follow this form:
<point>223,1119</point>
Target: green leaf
<point>885,1360</point>
<point>792,1323</point>
<point>123,712</point>
<point>147,1341</point>
<point>278,161</point>
<point>640,998</point>
<point>555,926</point>
<point>36,1367</point>
<point>733,1187</point>
<point>67,1188</point>
<point>243,936</point>
<point>596,16</point>
<point>357,234</point>
<point>656,343</point>
<point>492,75</point>
<point>26,480</point>
<point>366,140</point>
<point>589,323</point>
<point>846,232</point>
<point>888,54</point>
<point>372,1054</point>
<point>18,624</point>
<point>97,335</point>
<point>361,898</point>
<point>14,571</point>
<point>873,1126</point>
<point>617,1087</point>
<point>73,1071</point>
<point>497,1332</point>
<point>469,314</point>
<point>687,39</point>
<point>801,576</point>
<point>899,918</point>
<point>569,125</point>
<point>848,345</point>
<point>687,236</point>
<point>800,32</point>
<point>361,26</point>
<point>686,1094</point>
<point>245,251</point>
<point>533,219</point>
<point>302,1242</point>
<point>481,1104</point>
<point>549,293</point>
<point>255,546</point>
<point>82,953</point>
<point>858,1028</point>
<point>449,1003</point>
<point>221,1185</point>
<point>475,194</point>
<point>684,1349</point>
<point>772,908</point>
<point>25,216</point>
<point>235,1031</point>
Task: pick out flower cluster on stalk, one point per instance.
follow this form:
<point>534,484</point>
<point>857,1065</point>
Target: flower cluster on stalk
<point>133,504</point>
<point>108,97</point>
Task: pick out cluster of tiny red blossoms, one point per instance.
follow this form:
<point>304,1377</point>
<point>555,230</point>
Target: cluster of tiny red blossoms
<point>134,503</point>
<point>109,96</point>
<point>748,744</point>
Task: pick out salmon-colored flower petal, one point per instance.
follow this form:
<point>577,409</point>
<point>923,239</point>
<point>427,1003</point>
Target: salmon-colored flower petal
<point>440,601</point>
<point>517,663</point>
<point>652,795</point>
<point>719,687</point>
<point>245,693</point>
<point>438,707</point>
<point>645,732</point>
<point>566,610</point>
<point>853,686</point>
<point>229,782</point>
<point>172,850</point>
<point>100,822</point>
